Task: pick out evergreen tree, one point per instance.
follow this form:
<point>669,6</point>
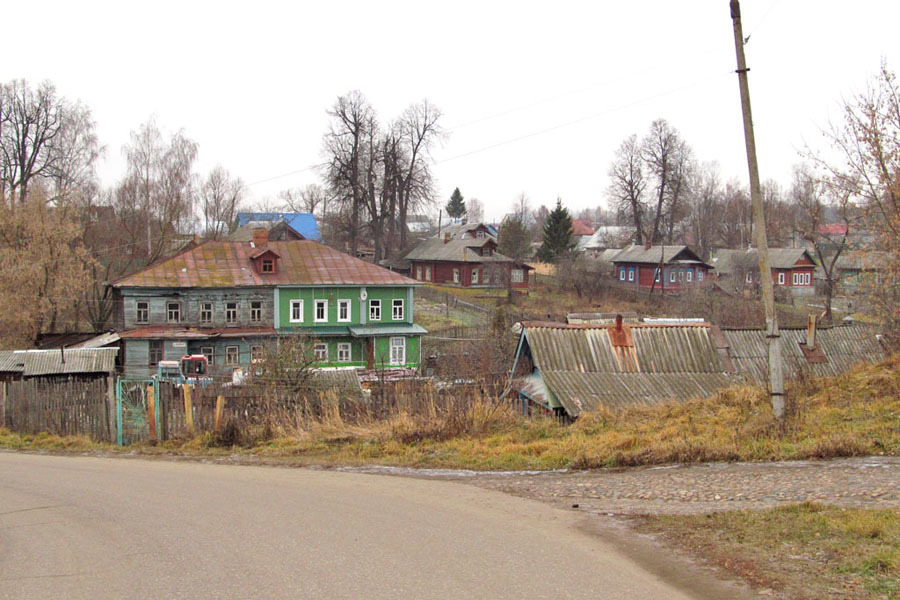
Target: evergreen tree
<point>513,239</point>
<point>456,208</point>
<point>557,240</point>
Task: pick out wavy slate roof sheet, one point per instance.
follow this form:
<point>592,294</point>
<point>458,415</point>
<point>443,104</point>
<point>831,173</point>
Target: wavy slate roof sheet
<point>843,346</point>
<point>228,264</point>
<point>585,368</point>
<point>81,360</point>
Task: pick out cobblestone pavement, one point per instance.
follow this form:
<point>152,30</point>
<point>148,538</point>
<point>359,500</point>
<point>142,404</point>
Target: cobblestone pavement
<point>867,482</point>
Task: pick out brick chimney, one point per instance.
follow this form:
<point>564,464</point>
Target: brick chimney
<point>647,245</point>
<point>260,237</point>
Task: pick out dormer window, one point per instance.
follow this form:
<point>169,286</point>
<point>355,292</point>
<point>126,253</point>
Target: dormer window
<point>264,260</point>
<point>268,265</point>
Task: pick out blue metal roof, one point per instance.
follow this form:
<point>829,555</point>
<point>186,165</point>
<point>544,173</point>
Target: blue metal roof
<point>303,223</point>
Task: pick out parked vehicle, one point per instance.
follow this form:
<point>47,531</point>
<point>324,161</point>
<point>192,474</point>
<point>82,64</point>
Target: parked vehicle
<point>192,369</point>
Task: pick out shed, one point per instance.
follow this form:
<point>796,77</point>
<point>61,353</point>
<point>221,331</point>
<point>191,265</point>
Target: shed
<point>86,363</point>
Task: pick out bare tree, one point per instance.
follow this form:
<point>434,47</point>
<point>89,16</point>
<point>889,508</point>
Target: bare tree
<point>627,185</point>
<point>43,138</point>
<point>475,210</point>
<point>156,197</point>
<point>311,198</point>
<point>348,150</point>
<point>667,158</point>
<point>220,196</point>
<point>703,203</point>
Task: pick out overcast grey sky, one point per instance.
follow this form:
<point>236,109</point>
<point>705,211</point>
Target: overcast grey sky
<point>536,96</point>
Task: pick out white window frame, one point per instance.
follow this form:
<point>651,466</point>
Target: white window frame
<point>232,355</point>
<point>342,305</point>
<point>169,311</point>
<point>210,353</point>
<point>621,273</point>
<point>395,314</point>
<point>231,318</point>
<point>630,273</point>
<point>375,310</point>
<point>517,275</point>
<point>672,276</point>
<point>699,274</point>
<point>419,273</point>
<point>475,276</point>
<point>427,273</point>
<point>455,275</point>
<point>398,344</point>
<point>690,275</point>
<point>781,278</point>
<point>321,352</point>
<point>206,308</point>
<point>795,277</point>
<point>656,274</point>
<point>344,352</point>
<point>256,353</point>
<point>319,302</point>
<point>256,311</point>
<point>749,277</point>
<point>138,310</point>
<point>298,305</point>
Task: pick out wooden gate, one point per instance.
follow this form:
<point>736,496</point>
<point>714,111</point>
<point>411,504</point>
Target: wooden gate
<point>137,411</point>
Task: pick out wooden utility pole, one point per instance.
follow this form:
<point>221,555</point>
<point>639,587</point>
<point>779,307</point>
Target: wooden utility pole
<point>773,336</point>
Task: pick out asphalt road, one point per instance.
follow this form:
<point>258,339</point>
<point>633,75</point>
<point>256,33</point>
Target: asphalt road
<point>87,527</point>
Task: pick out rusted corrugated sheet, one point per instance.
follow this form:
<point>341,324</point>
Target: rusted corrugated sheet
<point>81,360</point>
<point>843,347</point>
<point>657,349</point>
<point>228,264</point>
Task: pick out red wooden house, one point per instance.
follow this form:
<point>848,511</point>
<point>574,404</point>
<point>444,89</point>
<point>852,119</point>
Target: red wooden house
<point>466,260</point>
<point>666,268</point>
<point>792,269</point>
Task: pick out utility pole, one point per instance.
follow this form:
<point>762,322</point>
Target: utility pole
<point>773,336</point>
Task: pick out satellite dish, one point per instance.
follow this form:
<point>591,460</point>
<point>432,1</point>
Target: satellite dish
<point>363,294</point>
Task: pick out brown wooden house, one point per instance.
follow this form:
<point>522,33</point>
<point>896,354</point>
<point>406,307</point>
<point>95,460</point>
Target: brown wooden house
<point>666,268</point>
<point>467,260</point>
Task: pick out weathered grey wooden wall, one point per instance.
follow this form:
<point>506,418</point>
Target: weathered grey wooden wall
<point>61,407</point>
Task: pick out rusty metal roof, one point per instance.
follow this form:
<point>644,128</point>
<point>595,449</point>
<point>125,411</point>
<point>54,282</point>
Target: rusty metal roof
<point>585,367</point>
<point>195,333</point>
<point>219,264</point>
<point>80,360</point>
<point>843,347</point>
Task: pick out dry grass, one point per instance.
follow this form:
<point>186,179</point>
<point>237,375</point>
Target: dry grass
<point>854,414</point>
<point>49,441</point>
<point>804,550</point>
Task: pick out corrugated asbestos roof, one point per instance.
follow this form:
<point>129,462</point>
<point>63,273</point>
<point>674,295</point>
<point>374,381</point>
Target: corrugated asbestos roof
<point>11,362</point>
<point>654,254</point>
<point>843,346</point>
<point>726,260</point>
<point>588,366</point>
<point>80,360</point>
<point>228,264</point>
<point>457,250</point>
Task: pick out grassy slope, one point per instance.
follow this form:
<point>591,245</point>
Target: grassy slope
<point>805,550</point>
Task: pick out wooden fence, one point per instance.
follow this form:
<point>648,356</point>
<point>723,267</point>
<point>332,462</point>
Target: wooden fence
<point>61,407</point>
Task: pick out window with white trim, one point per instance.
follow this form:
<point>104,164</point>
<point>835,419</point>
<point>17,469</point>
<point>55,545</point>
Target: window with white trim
<point>321,314</point>
<point>699,274</point>
<point>781,279</point>
<point>630,273</point>
<point>455,275</point>
<point>142,311</point>
<point>672,276</point>
<point>296,315</point>
<point>374,310</point>
<point>206,313</point>
<point>622,274</point>
<point>231,309</point>
<point>427,273</point>
<point>398,350</point>
<point>256,354</point>
<point>209,353</point>
<point>232,355</point>
<point>517,275</point>
<point>173,312</point>
<point>474,276</point>
<point>749,278</point>
<point>656,274</point>
<point>397,309</point>
<point>344,352</point>
<point>690,275</point>
<point>795,278</point>
<point>321,352</point>
<point>343,311</point>
<point>419,273</point>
